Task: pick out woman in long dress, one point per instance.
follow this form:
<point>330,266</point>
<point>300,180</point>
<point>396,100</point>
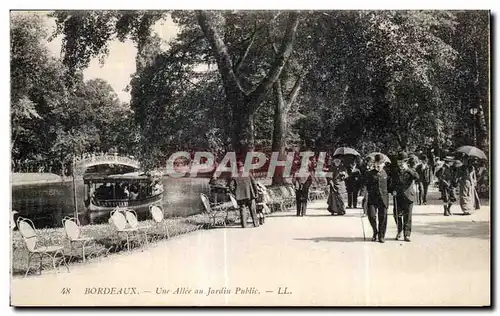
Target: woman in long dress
<point>468,197</point>
<point>336,183</point>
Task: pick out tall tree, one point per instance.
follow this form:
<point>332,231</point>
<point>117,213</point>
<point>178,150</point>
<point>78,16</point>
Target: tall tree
<point>472,41</point>
<point>245,101</point>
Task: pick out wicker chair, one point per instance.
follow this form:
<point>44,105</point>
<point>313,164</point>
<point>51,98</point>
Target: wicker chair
<point>218,210</point>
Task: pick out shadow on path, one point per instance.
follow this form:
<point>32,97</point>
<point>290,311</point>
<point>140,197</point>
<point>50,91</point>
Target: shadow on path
<point>333,239</point>
<point>474,229</point>
<point>314,215</point>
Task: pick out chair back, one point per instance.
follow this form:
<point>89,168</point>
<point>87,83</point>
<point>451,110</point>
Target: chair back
<point>272,195</point>
<point>233,201</point>
<point>118,219</point>
<point>71,228</point>
<point>13,219</point>
<point>206,203</point>
<point>131,217</point>
<point>284,192</point>
<point>157,213</point>
<point>27,230</point>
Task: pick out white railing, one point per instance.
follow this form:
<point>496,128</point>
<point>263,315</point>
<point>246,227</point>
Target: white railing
<point>88,160</point>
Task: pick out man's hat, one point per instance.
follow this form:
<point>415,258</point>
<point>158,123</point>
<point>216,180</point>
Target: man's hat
<point>449,158</point>
<point>402,156</point>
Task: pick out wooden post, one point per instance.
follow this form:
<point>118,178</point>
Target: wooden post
<point>74,191</point>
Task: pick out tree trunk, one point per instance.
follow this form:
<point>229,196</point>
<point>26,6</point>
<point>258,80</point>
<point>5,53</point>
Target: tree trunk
<point>243,139</point>
<point>482,131</point>
<point>403,142</point>
<point>482,135</point>
<point>281,110</point>
<point>245,102</point>
<point>279,133</point>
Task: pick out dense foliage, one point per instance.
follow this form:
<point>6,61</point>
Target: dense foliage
<point>55,114</point>
<point>375,80</point>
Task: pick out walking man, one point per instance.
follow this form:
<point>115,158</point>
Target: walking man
<point>425,176</point>
<point>403,188</point>
<point>352,185</point>
<point>446,177</point>
<point>378,198</point>
<point>244,189</point>
<point>302,185</point>
<point>365,168</point>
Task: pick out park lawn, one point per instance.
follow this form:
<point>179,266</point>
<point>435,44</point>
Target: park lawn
<point>105,240</point>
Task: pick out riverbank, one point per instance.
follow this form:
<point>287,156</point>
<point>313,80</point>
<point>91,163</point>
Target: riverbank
<point>33,178</point>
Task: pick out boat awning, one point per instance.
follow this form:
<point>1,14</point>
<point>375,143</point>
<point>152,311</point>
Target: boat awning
<point>125,176</point>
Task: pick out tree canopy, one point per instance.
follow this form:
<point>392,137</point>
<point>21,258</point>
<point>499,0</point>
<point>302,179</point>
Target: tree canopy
<point>238,80</point>
<point>53,120</point>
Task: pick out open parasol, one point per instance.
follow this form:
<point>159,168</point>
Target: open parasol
<point>385,159</point>
<point>342,151</point>
<point>472,151</point>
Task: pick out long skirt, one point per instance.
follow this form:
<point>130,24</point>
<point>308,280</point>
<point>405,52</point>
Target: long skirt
<point>468,197</point>
<point>336,204</point>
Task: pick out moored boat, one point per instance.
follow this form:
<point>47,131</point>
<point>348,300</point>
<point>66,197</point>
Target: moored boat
<point>137,191</point>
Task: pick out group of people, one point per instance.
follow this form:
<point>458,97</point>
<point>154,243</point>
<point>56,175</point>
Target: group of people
<point>125,191</point>
<point>408,181</point>
<point>461,175</point>
<point>406,178</point>
<point>115,191</point>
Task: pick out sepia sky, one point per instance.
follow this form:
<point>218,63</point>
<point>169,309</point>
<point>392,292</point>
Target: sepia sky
<point>120,63</point>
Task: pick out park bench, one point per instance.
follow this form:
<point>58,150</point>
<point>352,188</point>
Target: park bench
<point>276,201</point>
<point>316,193</point>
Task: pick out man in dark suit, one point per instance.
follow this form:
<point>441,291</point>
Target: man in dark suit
<point>378,198</point>
<point>244,189</point>
<point>352,185</point>
<point>302,185</point>
<point>403,188</point>
<point>447,184</point>
<point>365,168</point>
<point>425,176</point>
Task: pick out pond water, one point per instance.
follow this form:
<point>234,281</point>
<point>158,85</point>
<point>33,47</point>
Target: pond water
<point>47,204</point>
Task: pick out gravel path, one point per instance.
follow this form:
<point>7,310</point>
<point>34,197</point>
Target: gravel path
<point>318,260</point>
